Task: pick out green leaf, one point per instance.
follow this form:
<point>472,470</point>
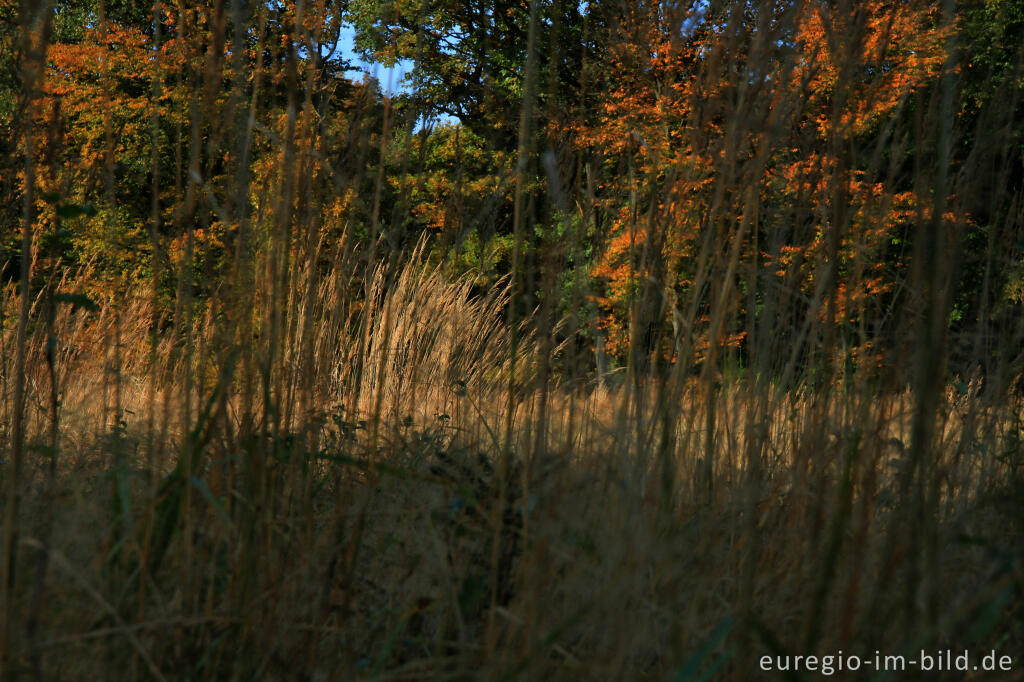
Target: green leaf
<point>43,450</point>
<point>207,494</point>
<point>50,197</point>
<point>55,241</point>
<point>703,664</point>
<point>77,301</point>
<point>71,211</point>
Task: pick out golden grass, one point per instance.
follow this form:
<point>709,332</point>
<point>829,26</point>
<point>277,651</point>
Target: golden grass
<point>327,552</point>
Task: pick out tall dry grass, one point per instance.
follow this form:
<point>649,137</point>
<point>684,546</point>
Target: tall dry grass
<point>346,461</point>
<point>339,553</point>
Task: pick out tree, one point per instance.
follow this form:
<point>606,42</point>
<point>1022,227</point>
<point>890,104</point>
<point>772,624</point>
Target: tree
<point>747,133</point>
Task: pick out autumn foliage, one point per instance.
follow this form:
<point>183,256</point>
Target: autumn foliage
<point>771,142</point>
<point>707,153</point>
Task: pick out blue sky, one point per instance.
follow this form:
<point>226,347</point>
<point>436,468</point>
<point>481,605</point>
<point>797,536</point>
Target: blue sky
<point>390,78</point>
